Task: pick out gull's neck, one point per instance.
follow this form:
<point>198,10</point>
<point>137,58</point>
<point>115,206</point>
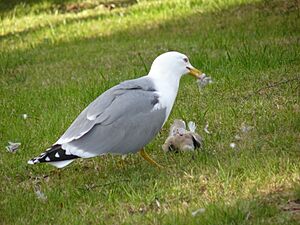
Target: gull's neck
<point>167,87</point>
<point>165,80</point>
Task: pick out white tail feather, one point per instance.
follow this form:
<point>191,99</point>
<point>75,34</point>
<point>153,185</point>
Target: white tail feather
<point>61,164</point>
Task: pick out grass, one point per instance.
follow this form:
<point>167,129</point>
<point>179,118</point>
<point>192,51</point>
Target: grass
<point>53,62</point>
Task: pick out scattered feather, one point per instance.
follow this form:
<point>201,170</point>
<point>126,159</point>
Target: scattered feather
<point>201,210</point>
<point>245,128</point>
<point>192,126</point>
<point>206,128</point>
<point>24,116</point>
<point>13,146</point>
<point>204,81</point>
<point>232,145</point>
<point>40,195</point>
<point>157,203</point>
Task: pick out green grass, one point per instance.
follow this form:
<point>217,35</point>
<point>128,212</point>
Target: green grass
<point>54,62</point>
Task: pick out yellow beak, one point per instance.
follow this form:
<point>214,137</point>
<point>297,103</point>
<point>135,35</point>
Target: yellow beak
<point>194,72</point>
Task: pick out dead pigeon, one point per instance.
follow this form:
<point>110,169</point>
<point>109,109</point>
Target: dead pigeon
<point>181,139</point>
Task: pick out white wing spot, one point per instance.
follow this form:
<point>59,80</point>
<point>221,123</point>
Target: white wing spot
<point>67,152</point>
<point>57,155</point>
<point>47,159</point>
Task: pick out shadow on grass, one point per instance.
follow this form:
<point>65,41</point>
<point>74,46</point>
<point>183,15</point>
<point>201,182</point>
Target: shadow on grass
<point>56,24</point>
<point>63,6</point>
<point>188,34</point>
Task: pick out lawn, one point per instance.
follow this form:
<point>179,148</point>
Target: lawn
<point>58,56</point>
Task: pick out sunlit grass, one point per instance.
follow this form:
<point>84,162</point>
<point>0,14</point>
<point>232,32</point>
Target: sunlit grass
<point>29,30</point>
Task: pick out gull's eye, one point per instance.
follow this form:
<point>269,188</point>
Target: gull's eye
<point>185,59</point>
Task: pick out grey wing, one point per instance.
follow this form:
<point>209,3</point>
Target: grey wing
<point>93,113</point>
<point>86,120</point>
<point>130,123</point>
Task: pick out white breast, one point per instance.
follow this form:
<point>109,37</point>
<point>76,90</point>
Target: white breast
<point>167,92</point>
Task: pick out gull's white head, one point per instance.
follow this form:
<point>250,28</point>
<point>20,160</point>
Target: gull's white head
<point>172,64</point>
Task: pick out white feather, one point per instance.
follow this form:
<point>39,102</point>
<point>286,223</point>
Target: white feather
<point>167,92</point>
<point>71,149</point>
<point>60,164</point>
<point>192,126</point>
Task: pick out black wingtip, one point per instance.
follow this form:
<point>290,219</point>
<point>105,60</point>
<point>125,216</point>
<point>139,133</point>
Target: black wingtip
<point>52,154</point>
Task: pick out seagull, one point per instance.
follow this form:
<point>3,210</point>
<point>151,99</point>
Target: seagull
<point>124,118</point>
